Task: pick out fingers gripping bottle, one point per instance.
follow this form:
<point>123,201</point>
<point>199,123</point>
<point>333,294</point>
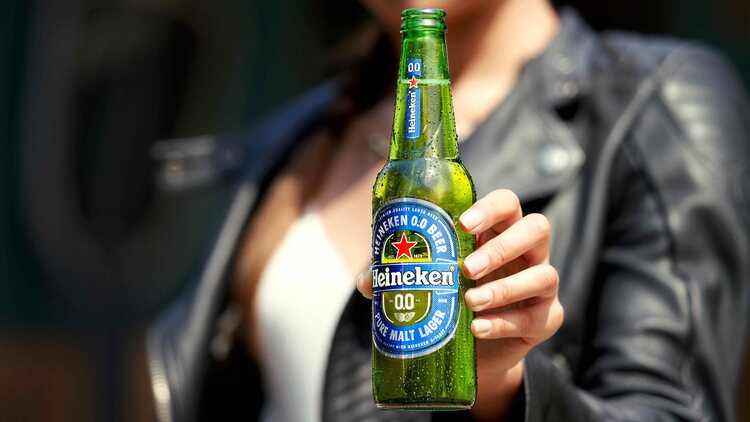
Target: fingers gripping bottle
<point>423,349</point>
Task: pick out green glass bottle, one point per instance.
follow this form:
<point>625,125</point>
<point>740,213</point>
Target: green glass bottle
<point>423,349</point>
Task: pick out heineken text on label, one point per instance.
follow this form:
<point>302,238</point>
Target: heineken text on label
<point>415,278</point>
<point>413,98</point>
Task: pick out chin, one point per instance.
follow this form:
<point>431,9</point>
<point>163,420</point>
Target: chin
<point>389,11</point>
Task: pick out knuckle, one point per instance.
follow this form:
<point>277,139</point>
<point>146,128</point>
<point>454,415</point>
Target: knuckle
<point>558,315</point>
<point>492,198</point>
<point>498,251</point>
<point>549,277</point>
<point>501,292</point>
<point>503,197</point>
<point>496,328</point>
<point>511,198</point>
<point>498,194</point>
<point>514,200</point>
<point>539,224</point>
<point>504,328</point>
<point>509,195</point>
<point>525,322</point>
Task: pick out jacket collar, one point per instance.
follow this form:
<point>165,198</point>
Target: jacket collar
<point>564,68</point>
<point>525,145</point>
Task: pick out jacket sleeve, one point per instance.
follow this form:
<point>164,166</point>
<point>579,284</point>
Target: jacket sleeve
<point>671,297</point>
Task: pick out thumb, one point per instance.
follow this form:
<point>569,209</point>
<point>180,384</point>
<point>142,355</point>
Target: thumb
<point>364,283</point>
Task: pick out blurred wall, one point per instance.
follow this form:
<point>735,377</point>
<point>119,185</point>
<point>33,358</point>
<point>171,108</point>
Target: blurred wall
<point>724,24</point>
<point>89,251</point>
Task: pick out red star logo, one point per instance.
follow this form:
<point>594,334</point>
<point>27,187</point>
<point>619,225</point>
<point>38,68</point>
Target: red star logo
<point>413,82</point>
<point>404,246</point>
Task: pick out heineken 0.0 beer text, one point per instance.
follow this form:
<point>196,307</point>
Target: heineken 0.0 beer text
<point>423,351</point>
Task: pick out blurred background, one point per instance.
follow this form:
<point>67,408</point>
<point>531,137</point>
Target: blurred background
<point>91,244</point>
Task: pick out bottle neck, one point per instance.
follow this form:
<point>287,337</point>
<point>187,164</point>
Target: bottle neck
<point>423,124</point>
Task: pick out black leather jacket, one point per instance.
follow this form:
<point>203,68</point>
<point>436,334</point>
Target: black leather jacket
<point>637,150</point>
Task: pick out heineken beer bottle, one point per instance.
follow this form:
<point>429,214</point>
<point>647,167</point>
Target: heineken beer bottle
<point>423,352</point>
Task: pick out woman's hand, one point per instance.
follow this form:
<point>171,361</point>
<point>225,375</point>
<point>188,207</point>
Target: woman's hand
<point>515,297</point>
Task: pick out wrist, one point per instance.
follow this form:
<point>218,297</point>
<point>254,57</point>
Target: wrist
<point>496,394</point>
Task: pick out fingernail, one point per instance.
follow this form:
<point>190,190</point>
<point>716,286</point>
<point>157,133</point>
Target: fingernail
<point>363,281</point>
<point>362,276</point>
<point>471,218</point>
<point>481,327</point>
<point>478,297</point>
<point>476,263</point>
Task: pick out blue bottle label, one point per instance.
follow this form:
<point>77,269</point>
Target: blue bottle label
<point>413,99</point>
<point>415,278</point>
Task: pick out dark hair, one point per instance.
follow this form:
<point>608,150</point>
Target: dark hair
<point>366,81</point>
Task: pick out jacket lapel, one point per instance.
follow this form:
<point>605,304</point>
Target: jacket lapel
<point>178,343</point>
<point>524,145</point>
<point>534,162</point>
<point>347,394</point>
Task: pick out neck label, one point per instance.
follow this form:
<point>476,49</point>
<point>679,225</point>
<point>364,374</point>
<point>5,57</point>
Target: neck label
<point>413,99</point>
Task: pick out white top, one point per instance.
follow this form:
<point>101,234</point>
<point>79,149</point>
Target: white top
<point>302,293</point>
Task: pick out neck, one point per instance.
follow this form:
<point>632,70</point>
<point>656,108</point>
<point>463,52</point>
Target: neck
<point>487,51</point>
<point>496,43</point>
